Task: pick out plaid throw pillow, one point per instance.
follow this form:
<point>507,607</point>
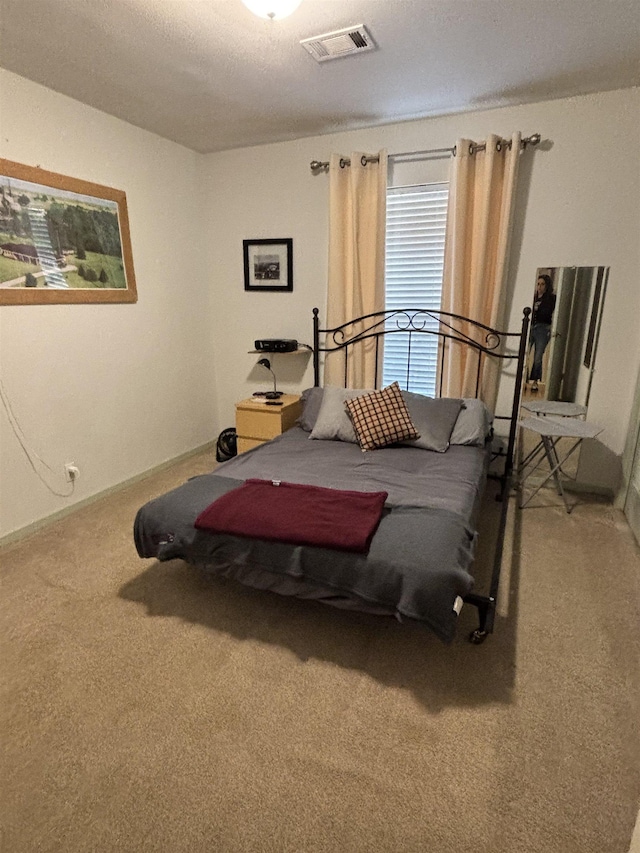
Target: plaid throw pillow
<point>381,418</point>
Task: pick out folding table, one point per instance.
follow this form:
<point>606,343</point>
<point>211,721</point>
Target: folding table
<point>550,430</point>
<point>555,408</point>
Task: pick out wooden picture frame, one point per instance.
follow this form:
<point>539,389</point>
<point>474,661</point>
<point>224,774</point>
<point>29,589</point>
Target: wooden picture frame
<point>268,264</point>
<point>62,239</point>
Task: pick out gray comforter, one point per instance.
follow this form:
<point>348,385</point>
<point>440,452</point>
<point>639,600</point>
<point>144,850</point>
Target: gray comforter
<point>419,559</point>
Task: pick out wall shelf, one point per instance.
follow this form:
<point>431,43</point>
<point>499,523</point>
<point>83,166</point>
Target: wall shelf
<point>269,353</point>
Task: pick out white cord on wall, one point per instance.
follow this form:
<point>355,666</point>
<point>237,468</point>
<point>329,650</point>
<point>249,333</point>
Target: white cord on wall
<point>31,455</point>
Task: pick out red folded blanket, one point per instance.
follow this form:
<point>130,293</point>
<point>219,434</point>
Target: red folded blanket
<point>300,515</point>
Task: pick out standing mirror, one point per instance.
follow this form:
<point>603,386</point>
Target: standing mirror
<point>566,319</point>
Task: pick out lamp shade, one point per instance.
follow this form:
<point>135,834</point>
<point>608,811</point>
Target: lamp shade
<point>273,9</point>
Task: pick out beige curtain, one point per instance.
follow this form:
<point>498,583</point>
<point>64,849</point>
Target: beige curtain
<point>357,211</point>
<point>479,225</point>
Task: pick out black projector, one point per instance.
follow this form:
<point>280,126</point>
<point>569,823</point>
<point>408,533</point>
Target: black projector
<point>276,345</point>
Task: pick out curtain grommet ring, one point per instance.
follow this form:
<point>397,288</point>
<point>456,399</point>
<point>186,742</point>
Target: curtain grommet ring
<point>364,160</point>
<point>343,163</point>
<point>472,149</point>
<point>454,150</point>
<point>499,145</point>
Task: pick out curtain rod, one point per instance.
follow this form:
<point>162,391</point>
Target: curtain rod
<point>319,165</point>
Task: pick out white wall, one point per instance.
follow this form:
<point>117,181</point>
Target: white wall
<point>117,389</point>
<point>579,204</point>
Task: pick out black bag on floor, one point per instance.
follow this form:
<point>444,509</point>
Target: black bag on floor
<point>226,448</point>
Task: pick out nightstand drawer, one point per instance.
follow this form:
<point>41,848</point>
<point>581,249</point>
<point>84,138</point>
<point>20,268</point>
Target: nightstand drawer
<point>245,444</point>
<point>263,424</point>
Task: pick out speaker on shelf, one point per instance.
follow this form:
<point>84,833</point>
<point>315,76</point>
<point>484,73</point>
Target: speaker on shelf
<point>276,345</point>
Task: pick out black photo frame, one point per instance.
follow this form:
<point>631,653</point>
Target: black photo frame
<point>268,264</point>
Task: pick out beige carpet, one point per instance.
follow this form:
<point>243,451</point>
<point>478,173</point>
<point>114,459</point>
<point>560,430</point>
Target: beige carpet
<point>147,708</point>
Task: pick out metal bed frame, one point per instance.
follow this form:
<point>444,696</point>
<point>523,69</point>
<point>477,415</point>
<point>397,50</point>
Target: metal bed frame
<point>450,329</point>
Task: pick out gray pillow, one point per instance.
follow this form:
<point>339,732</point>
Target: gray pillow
<point>474,423</point>
<point>471,425</point>
<point>311,402</point>
<point>434,419</point>
<point>333,422</point>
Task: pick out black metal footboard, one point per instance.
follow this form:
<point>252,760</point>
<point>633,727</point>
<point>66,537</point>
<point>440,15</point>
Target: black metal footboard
<point>451,330</point>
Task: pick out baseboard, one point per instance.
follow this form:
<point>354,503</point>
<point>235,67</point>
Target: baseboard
<point>22,532</point>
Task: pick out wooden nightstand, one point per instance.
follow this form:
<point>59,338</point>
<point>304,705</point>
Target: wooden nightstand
<point>256,422</point>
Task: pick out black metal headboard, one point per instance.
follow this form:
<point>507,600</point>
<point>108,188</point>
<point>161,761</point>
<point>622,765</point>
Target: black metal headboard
<point>449,328</point>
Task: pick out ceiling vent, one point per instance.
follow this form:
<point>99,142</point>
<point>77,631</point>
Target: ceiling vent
<point>340,43</point>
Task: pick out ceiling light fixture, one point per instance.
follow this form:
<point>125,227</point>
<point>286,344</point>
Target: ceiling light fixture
<point>273,9</point>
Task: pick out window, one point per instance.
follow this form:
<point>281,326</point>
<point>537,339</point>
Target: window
<point>416,224</point>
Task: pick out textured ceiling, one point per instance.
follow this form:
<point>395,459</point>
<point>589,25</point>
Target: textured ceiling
<point>212,76</point>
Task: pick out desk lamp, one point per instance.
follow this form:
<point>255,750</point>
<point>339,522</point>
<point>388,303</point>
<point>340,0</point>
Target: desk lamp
<point>270,395</point>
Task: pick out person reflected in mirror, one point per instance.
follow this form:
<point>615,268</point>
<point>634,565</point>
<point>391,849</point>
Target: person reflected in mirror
<point>544,303</point>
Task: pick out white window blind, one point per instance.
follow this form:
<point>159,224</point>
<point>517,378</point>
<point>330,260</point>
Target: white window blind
<point>414,260</point>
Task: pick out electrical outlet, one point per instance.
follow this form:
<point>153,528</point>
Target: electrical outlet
<point>71,472</point>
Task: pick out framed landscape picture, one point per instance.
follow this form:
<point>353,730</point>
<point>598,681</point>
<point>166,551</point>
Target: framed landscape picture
<point>62,239</point>
<point>268,264</point>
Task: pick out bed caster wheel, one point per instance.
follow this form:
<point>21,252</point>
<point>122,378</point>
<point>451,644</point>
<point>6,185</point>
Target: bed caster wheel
<point>476,637</point>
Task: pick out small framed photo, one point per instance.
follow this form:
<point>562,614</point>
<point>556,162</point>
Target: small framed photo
<point>268,264</point>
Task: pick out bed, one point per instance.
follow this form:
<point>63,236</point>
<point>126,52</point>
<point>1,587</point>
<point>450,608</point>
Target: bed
<point>413,559</point>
